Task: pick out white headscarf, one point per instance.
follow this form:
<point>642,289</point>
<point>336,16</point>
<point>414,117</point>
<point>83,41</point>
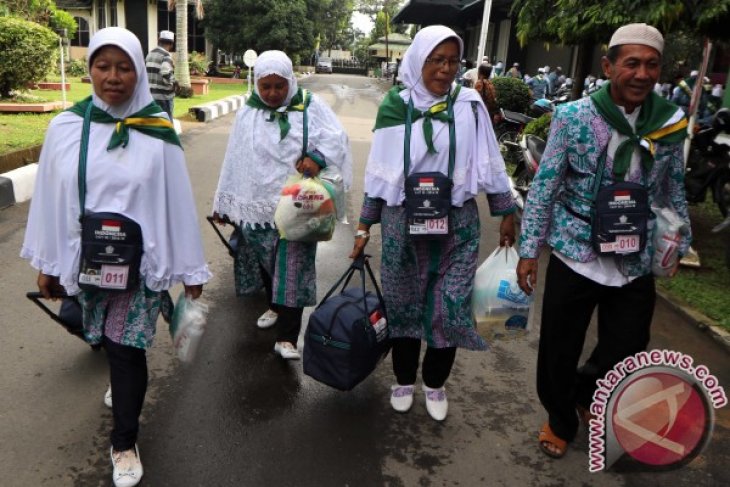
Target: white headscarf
<point>278,63</point>
<point>410,70</point>
<point>127,42</point>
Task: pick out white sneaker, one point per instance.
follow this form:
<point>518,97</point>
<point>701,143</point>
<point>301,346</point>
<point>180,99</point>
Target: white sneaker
<point>401,397</point>
<point>436,403</point>
<point>108,397</point>
<point>287,351</point>
<point>127,467</point>
<point>267,320</point>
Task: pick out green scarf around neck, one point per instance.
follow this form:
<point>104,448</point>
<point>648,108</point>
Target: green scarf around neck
<point>654,126</point>
<point>146,121</point>
<point>298,103</point>
<point>393,111</point>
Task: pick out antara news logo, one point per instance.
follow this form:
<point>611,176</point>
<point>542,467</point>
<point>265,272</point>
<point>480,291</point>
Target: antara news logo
<point>657,407</point>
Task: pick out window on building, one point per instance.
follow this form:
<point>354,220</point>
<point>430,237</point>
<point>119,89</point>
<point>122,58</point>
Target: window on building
<point>113,18</point>
<point>101,15</point>
<point>81,39</point>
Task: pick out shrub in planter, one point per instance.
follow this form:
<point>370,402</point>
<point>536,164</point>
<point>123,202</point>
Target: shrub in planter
<point>198,64</point>
<point>76,67</point>
<point>184,91</point>
<point>540,127</point>
<point>28,52</point>
<point>512,94</point>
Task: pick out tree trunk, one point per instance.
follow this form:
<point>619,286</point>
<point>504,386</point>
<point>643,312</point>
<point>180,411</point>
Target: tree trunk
<point>582,69</point>
<point>182,68</point>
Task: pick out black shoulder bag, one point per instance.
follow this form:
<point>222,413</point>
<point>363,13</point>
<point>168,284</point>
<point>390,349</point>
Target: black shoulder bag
<point>428,194</point>
<point>111,244</point>
<point>620,216</point>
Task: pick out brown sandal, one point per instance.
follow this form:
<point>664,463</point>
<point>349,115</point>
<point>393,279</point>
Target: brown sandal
<point>547,437</point>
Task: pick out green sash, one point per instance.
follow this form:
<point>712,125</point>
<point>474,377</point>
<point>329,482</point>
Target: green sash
<point>298,103</point>
<point>146,121</point>
<point>394,110</point>
<point>654,126</point>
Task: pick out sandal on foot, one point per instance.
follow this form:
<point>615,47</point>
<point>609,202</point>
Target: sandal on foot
<point>547,437</point>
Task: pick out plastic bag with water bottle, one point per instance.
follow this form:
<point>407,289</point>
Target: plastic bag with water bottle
<point>501,309</point>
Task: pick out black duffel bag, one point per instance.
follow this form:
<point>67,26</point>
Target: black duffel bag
<point>347,335</point>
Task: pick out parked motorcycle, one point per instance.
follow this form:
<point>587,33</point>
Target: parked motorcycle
<point>708,167</point>
<point>532,148</point>
<point>508,132</point>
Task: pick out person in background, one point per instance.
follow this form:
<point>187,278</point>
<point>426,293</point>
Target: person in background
<point>514,71</point>
<point>538,85</point>
<point>427,284</point>
<point>682,93</point>
<point>607,136</point>
<point>486,90</point>
<point>498,70</point>
<point>161,72</point>
<point>265,148</point>
<point>136,168</point>
<point>471,75</point>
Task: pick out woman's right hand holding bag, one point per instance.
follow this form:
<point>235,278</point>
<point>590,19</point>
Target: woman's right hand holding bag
<point>361,240</point>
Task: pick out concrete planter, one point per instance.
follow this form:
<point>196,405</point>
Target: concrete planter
<point>199,86</point>
<point>53,86</point>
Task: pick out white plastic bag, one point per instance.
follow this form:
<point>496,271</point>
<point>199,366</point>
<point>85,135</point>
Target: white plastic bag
<point>333,176</point>
<point>187,326</point>
<point>500,307</point>
<point>667,234</point>
<point>306,210</point>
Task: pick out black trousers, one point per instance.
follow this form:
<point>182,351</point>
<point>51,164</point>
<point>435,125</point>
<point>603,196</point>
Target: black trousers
<point>289,323</point>
<point>624,320</point>
<point>128,377</point>
<point>437,362</point>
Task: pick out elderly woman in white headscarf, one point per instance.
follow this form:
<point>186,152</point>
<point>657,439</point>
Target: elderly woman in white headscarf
<point>135,169</point>
<point>433,151</point>
<point>266,146</point>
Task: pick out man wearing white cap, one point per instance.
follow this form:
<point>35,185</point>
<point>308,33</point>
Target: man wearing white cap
<point>161,72</point>
<point>682,93</point>
<point>619,147</point>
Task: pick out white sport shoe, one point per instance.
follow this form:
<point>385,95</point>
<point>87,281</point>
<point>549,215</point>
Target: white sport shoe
<point>108,397</point>
<point>287,351</point>
<point>267,320</point>
<point>401,397</point>
<point>127,467</point>
<point>436,403</point>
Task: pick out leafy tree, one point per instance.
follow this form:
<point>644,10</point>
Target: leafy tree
<point>182,65</point>
<point>589,22</point>
<point>27,53</point>
<point>333,22</point>
<point>286,25</point>
<point>43,12</point>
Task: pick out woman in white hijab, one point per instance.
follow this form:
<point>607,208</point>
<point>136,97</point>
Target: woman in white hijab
<point>136,169</point>
<point>425,129</point>
<point>266,146</point>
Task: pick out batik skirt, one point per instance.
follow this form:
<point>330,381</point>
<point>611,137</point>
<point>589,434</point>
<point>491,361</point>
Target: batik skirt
<point>427,284</point>
<point>127,318</point>
<point>291,266</point>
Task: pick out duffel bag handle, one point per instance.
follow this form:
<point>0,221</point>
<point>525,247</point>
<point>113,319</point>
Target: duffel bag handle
<point>361,264</point>
<point>36,297</point>
<point>220,234</point>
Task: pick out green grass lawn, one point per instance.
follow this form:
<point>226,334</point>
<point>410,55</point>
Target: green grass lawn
<point>706,289</point>
<point>23,130</point>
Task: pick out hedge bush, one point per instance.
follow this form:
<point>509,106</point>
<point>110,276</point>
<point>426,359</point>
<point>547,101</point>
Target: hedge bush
<point>512,94</point>
<point>28,52</point>
<point>540,127</point>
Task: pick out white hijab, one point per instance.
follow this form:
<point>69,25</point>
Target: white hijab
<point>423,44</point>
<point>278,63</point>
<point>127,42</point>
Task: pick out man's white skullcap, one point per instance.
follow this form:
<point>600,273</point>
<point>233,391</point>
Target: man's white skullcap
<point>642,34</point>
<point>694,72</point>
<point>540,70</point>
<point>167,35</point>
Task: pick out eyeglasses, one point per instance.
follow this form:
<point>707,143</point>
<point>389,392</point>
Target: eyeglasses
<point>442,61</point>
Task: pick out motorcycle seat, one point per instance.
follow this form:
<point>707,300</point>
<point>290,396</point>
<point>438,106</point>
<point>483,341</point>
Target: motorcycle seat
<point>536,146</point>
<point>516,117</point>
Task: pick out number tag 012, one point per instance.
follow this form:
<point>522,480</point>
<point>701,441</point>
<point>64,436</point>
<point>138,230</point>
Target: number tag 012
<point>429,227</point>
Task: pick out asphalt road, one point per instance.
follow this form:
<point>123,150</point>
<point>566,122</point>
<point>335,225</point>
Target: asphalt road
<point>240,416</point>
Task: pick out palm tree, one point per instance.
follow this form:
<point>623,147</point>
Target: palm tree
<point>182,68</point>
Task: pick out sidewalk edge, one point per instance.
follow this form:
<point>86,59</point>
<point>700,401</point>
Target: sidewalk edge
<point>705,324</point>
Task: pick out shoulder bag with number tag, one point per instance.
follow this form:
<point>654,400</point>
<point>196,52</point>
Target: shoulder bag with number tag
<point>428,194</point>
<point>111,244</point>
<point>620,217</point>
